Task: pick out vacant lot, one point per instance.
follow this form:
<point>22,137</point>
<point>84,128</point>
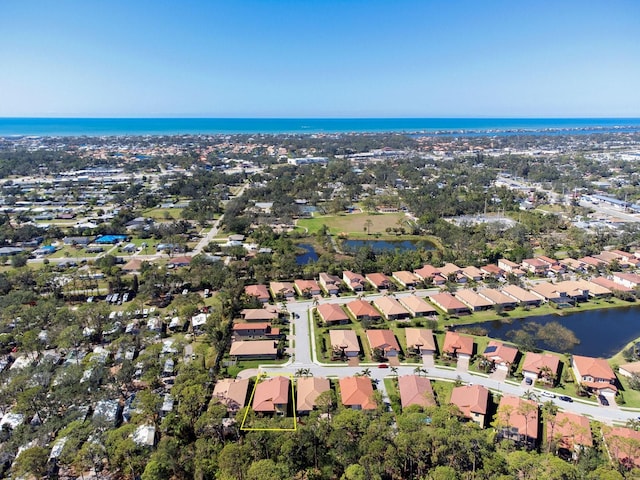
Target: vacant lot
<point>354,223</point>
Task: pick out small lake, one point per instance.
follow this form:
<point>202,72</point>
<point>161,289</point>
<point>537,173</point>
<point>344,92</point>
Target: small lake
<point>308,256</point>
<point>387,245</point>
<point>602,333</point>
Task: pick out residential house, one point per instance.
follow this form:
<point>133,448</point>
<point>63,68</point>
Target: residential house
<point>415,390</point>
<point>543,366</point>
<point>357,393</point>
<point>522,296</point>
<point>309,389</point>
<point>629,280</point>
<point>253,350</point>
<point>508,266</point>
<point>453,272</point>
<point>474,301</point>
<point>354,281</point>
<point>379,281</point>
<point>449,304</point>
<point>629,369</point>
<point>405,278</point>
<point>498,298</point>
<point>492,271</point>
<point>344,342</point>
<point>363,310</point>
<point>595,289</point>
<point>330,283</point>
<point>626,258</point>
<point>535,266</point>
<point>257,315</point>
<point>391,309</point>
<point>570,432</point>
<point>255,330</point>
<point>473,273</point>
<point>420,340</point>
<point>517,420</point>
<point>282,290</point>
<point>133,265</point>
<point>473,402</point>
<point>332,314</point>
<point>272,395</point>
<point>307,288</point>
<point>430,275</point>
<point>231,392</point>
<point>623,445</point>
<point>261,292</point>
<point>596,374</point>
<point>457,346</point>
<point>383,340</point>
<point>418,307</point>
<point>591,263</point>
<point>610,285</point>
<point>502,356</point>
<point>178,262</point>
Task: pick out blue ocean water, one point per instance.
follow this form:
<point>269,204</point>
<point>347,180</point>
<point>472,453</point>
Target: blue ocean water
<point>177,126</point>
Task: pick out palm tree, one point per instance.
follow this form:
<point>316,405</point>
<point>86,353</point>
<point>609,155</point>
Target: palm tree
<point>419,371</point>
<point>394,371</point>
<point>365,373</point>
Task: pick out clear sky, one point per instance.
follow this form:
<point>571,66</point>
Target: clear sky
<point>320,58</point>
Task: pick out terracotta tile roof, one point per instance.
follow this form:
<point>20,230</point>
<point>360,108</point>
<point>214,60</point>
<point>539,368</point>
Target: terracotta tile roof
<point>593,367</point>
<point>384,339</point>
<point>450,268</point>
<point>510,411</point>
<point>496,296</point>
<point>471,399</point>
<point>622,444</point>
<point>428,271</point>
<point>610,284</point>
<point>456,343</point>
<point>569,430</point>
<point>389,306</point>
<point>346,338</point>
<point>405,277</point>
<point>534,362</point>
<point>260,291</point>
<point>357,391</point>
<point>331,312</point>
<point>471,298</point>
<point>231,392</point>
<point>500,353</point>
<point>309,389</point>
<point>256,347</point>
<point>420,336</point>
<point>378,280</point>
<point>415,390</point>
<point>362,308</point>
<point>520,294</point>
<point>447,301</point>
<point>271,392</point>
<point>417,305</point>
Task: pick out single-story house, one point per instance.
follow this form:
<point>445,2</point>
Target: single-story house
<point>255,330</point>
<point>621,443</point>
<point>255,349</point>
<point>415,390</point>
<point>344,341</point>
<point>391,308</point>
<point>357,393</point>
<point>542,366</point>
<point>307,287</point>
<point>332,314</point>
<point>418,307</point>
<point>449,304</point>
<point>570,432</point>
<point>474,301</point>
<point>405,278</point>
<point>309,389</point>
<point>521,295</point>
<point>379,281</point>
<point>282,290</point>
<point>501,355</point>
<point>257,315</point>
<point>363,310</point>
<point>629,280</point>
<point>458,346</point>
<point>629,369</point>
<point>420,340</point>
<point>384,340</point>
<point>261,292</point>
<point>231,392</point>
<point>498,298</point>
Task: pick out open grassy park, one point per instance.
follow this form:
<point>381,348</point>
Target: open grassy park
<point>354,223</point>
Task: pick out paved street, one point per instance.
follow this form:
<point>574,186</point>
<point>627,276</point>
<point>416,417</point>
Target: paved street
<point>304,356</point>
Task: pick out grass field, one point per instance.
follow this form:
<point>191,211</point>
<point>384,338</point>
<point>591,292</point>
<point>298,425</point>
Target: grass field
<point>163,213</point>
<point>353,223</point>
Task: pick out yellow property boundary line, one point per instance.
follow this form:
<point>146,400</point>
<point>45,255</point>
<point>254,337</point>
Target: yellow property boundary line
<point>293,399</point>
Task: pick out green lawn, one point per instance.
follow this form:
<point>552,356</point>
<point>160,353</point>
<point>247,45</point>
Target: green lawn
<point>442,390</point>
<point>163,213</point>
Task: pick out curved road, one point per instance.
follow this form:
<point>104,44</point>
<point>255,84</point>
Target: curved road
<point>304,357</point>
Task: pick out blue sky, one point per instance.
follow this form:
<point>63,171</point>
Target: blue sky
<point>320,58</point>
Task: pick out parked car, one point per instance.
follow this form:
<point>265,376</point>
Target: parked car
<point>603,400</point>
<point>564,398</point>
<point>547,394</point>
<point>528,381</point>
<point>383,365</point>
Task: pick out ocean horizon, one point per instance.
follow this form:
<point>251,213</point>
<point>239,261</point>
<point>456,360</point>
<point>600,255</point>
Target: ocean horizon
<point>68,126</point>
